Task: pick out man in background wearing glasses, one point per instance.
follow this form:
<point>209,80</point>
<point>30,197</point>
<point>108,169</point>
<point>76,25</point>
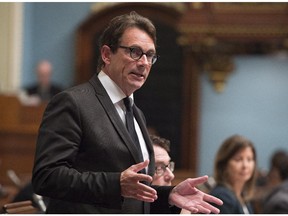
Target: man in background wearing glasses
<point>164,167</point>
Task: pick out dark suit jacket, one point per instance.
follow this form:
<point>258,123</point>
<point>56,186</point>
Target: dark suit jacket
<point>82,148</point>
<point>231,205</point>
<point>277,201</point>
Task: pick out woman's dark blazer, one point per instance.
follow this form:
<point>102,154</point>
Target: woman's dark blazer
<point>231,205</point>
<point>82,148</point>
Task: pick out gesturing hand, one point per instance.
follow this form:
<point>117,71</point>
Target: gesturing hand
<point>185,195</point>
<point>131,186</point>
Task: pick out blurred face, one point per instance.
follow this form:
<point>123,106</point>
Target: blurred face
<point>127,73</point>
<point>241,166</point>
<point>162,159</point>
<point>44,72</point>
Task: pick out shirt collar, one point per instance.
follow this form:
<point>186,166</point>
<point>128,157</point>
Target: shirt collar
<point>113,90</point>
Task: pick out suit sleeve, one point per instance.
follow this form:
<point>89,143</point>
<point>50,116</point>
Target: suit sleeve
<point>161,205</point>
<point>54,172</point>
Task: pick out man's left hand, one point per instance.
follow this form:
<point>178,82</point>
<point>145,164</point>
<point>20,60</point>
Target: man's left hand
<point>185,195</point>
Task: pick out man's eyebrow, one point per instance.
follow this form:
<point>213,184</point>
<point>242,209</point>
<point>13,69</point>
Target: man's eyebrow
<point>149,50</point>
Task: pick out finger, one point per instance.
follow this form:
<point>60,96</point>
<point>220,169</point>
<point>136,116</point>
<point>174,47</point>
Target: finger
<point>140,166</point>
<point>144,178</point>
<point>138,193</point>
<point>191,209</point>
<point>146,197</point>
<point>198,180</point>
<point>147,190</point>
<point>149,195</point>
<point>203,210</point>
<point>212,199</point>
<point>136,186</point>
<point>209,207</point>
<point>145,193</point>
<point>214,210</point>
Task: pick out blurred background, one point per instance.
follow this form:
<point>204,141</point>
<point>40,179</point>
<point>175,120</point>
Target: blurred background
<point>223,70</point>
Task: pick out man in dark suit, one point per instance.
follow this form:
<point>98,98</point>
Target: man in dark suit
<point>44,88</point>
<point>86,161</point>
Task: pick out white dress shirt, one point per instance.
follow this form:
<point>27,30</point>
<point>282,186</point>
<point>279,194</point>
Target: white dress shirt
<point>117,95</point>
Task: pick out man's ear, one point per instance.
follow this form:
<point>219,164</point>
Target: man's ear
<point>106,54</point>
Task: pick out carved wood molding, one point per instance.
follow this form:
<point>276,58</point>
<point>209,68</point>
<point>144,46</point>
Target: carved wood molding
<point>215,32</point>
<point>232,25</point>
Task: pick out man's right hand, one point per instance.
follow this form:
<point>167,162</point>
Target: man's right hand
<point>131,186</point>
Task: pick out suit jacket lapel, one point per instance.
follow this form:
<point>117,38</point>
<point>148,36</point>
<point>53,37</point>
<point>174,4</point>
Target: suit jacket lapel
<point>114,117</point>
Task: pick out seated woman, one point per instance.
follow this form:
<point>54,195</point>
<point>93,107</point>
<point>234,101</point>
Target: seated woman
<point>235,174</point>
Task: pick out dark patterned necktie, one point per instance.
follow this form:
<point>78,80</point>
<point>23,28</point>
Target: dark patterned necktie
<point>130,125</point>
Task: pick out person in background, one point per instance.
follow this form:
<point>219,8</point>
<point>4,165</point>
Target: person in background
<point>267,181</point>
<point>277,201</point>
<point>274,176</point>
<point>235,174</point>
<point>44,89</point>
<point>164,167</point>
<point>89,157</point>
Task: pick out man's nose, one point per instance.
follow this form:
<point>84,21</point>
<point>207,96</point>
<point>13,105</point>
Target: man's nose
<point>144,60</point>
<point>169,175</point>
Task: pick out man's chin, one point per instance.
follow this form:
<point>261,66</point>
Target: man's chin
<point>136,85</point>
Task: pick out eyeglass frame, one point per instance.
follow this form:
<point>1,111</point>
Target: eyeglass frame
<point>154,57</point>
<point>162,168</point>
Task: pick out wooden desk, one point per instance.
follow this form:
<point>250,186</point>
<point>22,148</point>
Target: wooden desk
<point>11,192</point>
<point>18,133</point>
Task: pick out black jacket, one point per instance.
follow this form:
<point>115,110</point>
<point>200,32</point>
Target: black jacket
<point>231,205</point>
<point>82,148</point>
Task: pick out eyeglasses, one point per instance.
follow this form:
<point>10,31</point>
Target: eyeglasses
<point>136,53</point>
<point>161,169</point>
